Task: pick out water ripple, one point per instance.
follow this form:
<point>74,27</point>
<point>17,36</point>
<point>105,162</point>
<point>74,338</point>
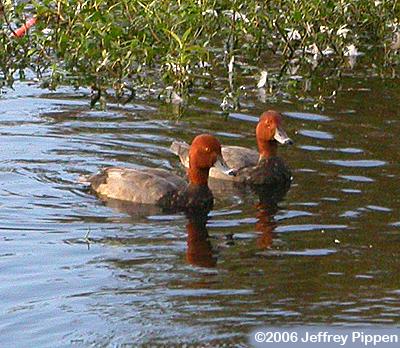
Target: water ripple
<point>308,116</point>
<point>350,150</point>
<point>308,227</point>
<point>356,178</point>
<point>356,163</point>
<point>316,134</point>
<point>306,252</point>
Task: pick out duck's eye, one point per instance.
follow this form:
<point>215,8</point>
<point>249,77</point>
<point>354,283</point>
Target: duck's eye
<point>207,149</point>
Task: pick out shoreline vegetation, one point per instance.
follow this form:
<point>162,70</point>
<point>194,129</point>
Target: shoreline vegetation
<point>125,49</point>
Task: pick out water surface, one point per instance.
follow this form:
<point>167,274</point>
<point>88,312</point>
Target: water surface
<point>75,271</point>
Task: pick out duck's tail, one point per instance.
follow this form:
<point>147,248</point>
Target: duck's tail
<point>181,149</point>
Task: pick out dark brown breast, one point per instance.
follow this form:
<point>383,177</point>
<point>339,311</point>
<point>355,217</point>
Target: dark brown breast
<point>271,172</point>
<point>194,199</point>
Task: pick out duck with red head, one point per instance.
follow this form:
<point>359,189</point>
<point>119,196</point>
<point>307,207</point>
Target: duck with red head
<point>161,187</point>
<point>262,168</point>
<point>269,132</point>
<point>204,153</point>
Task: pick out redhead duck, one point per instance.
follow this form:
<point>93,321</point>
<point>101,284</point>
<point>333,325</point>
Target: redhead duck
<point>162,188</point>
<point>262,168</point>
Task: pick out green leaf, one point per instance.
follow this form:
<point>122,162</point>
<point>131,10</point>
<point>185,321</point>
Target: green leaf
<point>176,38</point>
<point>186,34</point>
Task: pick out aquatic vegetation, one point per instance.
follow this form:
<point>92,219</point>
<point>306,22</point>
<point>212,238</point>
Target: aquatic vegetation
<point>124,48</point>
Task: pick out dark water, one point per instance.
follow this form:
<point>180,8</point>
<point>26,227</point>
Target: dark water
<point>74,271</point>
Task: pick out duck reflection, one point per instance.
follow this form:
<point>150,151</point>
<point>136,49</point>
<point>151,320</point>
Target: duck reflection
<point>267,208</point>
<point>134,210</point>
<point>199,249</point>
<point>265,223</point>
